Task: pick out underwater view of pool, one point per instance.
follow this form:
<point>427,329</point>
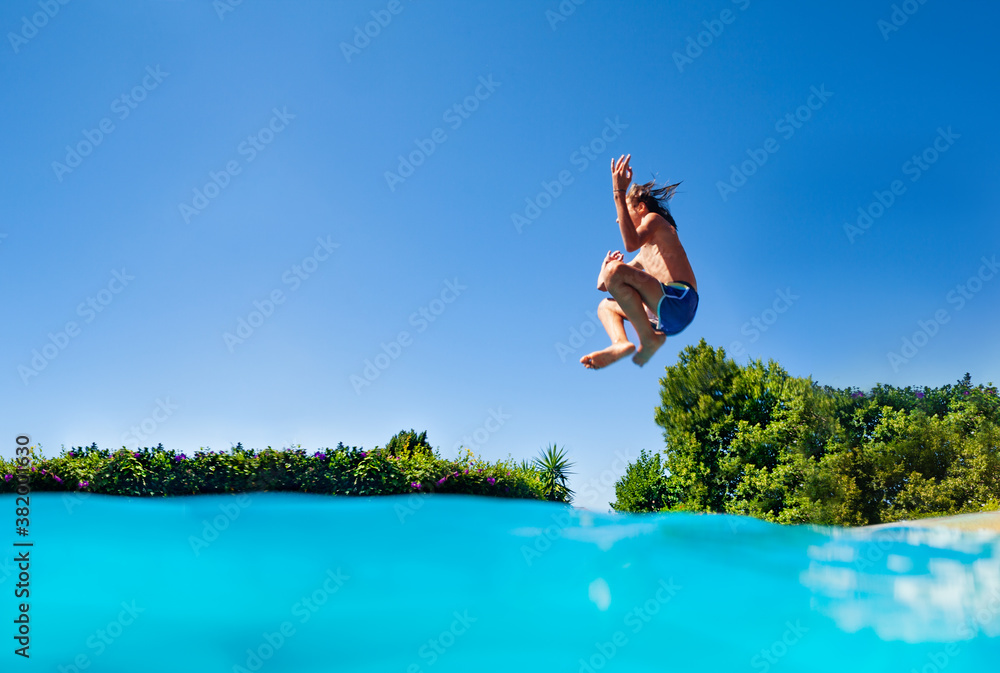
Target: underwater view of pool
<point>434,583</point>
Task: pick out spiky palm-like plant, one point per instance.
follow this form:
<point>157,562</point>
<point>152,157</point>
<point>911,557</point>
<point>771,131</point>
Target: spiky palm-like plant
<point>554,466</point>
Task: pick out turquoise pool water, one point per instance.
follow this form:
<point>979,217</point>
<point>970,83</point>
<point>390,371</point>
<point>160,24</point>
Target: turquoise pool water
<point>285,582</point>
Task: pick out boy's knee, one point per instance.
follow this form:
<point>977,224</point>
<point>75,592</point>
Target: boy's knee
<point>617,271</point>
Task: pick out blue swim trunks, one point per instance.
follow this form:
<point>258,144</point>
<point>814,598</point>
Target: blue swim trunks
<point>676,308</point>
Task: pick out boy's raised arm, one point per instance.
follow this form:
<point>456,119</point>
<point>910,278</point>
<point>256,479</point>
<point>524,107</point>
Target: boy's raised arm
<point>621,176</point>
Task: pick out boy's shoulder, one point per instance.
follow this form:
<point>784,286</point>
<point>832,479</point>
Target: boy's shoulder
<point>656,221</point>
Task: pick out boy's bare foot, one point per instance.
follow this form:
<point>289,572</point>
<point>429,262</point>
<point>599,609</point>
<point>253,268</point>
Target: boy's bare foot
<point>612,353</point>
<point>647,348</point>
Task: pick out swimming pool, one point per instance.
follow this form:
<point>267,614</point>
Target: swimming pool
<point>290,582</point>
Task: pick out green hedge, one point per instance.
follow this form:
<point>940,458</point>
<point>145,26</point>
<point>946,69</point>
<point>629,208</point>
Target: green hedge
<point>407,464</point>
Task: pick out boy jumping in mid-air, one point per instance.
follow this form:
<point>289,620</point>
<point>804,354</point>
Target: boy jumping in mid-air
<point>656,291</point>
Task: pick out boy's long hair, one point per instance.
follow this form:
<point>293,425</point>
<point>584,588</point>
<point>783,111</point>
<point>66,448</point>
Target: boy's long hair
<point>655,198</point>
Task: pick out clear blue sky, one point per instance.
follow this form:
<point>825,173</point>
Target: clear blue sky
<point>300,131</point>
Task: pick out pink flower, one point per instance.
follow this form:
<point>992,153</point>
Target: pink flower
<point>491,480</point>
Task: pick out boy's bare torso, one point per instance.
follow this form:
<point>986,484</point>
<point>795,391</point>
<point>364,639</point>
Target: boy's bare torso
<point>663,256</point>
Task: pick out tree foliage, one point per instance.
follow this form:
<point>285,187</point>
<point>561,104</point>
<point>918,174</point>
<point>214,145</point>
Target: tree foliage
<point>752,439</point>
<point>645,487</point>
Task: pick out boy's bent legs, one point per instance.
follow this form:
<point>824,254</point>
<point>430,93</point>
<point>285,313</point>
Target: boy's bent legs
<point>613,319</point>
<point>631,288</point>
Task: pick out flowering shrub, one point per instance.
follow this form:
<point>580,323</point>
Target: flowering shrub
<point>407,464</point>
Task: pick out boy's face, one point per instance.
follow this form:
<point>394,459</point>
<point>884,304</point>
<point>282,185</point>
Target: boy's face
<point>635,210</point>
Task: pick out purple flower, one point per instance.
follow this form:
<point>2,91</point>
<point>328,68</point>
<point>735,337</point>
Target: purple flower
<point>491,480</point>
<point>8,477</point>
<point>920,396</point>
<point>179,458</point>
<point>442,480</point>
<point>84,484</point>
<point>965,392</point>
<point>321,456</point>
<point>415,484</point>
<point>70,454</point>
<point>466,470</point>
<point>479,470</point>
<point>857,394</point>
<point>137,455</point>
<point>57,478</point>
<point>363,454</point>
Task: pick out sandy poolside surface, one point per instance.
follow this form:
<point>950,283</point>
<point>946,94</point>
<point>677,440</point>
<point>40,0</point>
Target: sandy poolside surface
<point>976,521</point>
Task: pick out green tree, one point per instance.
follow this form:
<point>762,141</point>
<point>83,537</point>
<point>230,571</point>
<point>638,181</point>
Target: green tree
<point>754,440</point>
<point>644,487</point>
<point>407,443</point>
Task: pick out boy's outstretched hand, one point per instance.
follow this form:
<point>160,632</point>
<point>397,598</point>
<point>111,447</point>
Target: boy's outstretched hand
<point>621,173</point>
